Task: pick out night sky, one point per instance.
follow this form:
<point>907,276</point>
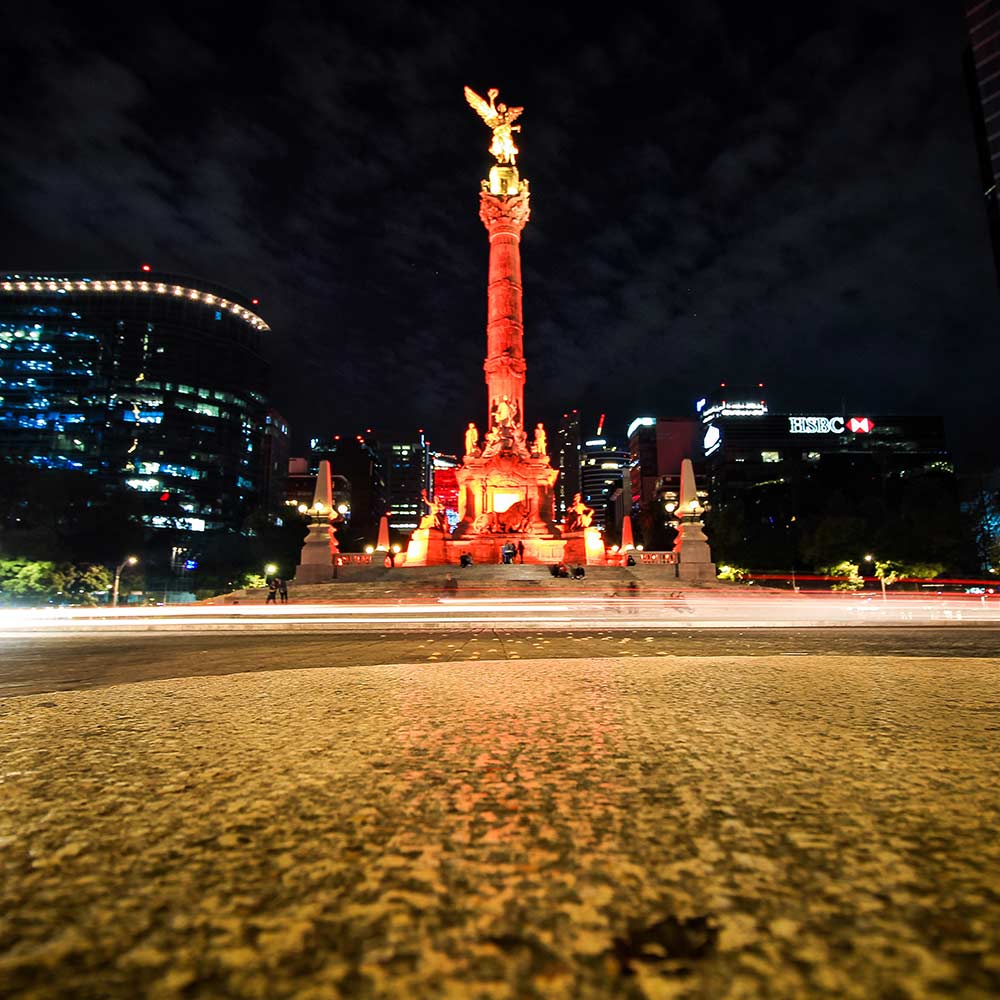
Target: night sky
<point>720,192</point>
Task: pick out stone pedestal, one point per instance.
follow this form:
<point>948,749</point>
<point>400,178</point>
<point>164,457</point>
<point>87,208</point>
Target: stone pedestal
<point>427,548</point>
<point>506,493</point>
<point>584,547</point>
<point>316,561</point>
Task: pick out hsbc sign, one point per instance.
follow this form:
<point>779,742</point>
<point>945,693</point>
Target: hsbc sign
<point>829,425</point>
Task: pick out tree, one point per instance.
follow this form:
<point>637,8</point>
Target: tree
<point>833,539</point>
<point>23,579</point>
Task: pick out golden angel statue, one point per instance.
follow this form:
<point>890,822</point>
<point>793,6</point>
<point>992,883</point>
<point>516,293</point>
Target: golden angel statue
<point>501,119</point>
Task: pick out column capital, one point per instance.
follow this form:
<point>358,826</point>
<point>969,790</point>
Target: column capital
<point>505,212</point>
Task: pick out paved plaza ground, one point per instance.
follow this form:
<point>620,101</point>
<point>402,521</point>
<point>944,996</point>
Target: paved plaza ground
<point>641,827</point>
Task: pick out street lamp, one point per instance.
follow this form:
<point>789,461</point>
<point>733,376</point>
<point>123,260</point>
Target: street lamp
<point>270,569</point>
<point>880,573</point>
<point>128,561</point>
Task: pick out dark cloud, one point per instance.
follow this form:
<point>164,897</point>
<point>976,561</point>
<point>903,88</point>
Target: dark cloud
<point>718,193</point>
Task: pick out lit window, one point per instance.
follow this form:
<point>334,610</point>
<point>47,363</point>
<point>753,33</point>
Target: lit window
<point>143,485</point>
<point>770,456</point>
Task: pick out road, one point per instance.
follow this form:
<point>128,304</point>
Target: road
<point>57,661</point>
<point>692,609</point>
<point>66,648</point>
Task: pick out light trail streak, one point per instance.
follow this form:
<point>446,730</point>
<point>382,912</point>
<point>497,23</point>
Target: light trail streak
<point>684,610</point>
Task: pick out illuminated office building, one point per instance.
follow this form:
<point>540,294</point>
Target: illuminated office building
<point>153,383</point>
<point>568,454</point>
<point>982,75</point>
<point>361,463</point>
<point>603,462</point>
<point>408,466</point>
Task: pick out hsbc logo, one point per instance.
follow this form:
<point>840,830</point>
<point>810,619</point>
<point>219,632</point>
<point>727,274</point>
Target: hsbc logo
<point>829,425</point>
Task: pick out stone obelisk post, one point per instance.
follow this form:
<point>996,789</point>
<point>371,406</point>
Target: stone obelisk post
<point>691,545</point>
<point>320,547</point>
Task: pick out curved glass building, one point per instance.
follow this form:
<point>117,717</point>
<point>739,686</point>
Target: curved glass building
<point>155,383</point>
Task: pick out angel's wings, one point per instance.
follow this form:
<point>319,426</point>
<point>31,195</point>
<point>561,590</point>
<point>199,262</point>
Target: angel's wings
<point>484,109</point>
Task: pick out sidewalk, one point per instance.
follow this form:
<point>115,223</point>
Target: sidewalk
<point>653,827</point>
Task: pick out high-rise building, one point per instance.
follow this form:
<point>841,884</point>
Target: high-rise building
<point>568,447</point>
<point>300,489</point>
<point>982,72</point>
<point>407,464</point>
<point>643,468</point>
<point>657,446</point>
<point>446,484</point>
<point>603,463</point>
<point>274,455</point>
<point>361,463</point>
<point>769,476</point>
<point>151,383</point>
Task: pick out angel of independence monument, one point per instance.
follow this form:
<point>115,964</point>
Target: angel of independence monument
<point>506,482</point>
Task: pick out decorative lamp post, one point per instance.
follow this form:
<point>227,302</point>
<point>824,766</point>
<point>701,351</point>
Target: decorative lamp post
<point>127,561</point>
<point>694,556</point>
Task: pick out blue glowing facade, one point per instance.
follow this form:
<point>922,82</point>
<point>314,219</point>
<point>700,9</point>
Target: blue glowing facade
<point>154,385</point>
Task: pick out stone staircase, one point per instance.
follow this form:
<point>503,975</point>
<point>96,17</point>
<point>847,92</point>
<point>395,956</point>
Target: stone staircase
<point>377,582</point>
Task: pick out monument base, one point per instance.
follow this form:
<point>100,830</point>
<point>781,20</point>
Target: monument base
<point>694,571</point>
<point>485,549</point>
<point>318,552</point>
<point>584,548</point>
<point>314,573</point>
<point>427,547</point>
<point>694,557</point>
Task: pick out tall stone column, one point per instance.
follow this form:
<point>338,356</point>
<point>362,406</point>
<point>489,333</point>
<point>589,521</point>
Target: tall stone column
<point>504,209</point>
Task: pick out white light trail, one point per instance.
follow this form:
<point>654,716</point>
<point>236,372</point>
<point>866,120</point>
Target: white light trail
<point>695,610</point>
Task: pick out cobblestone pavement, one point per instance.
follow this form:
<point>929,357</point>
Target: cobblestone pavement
<point>655,827</point>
